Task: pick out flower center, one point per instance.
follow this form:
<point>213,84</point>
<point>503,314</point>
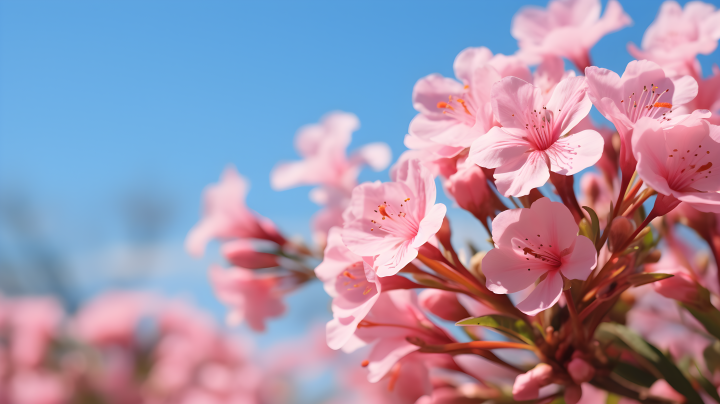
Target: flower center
<point>541,128</point>
<point>353,280</point>
<point>536,250</point>
<point>647,105</point>
<point>394,220</point>
<point>685,167</point>
<point>460,108</point>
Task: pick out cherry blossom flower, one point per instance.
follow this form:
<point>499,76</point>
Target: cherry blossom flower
<point>680,162</point>
<point>226,216</point>
<point>540,242</point>
<point>325,162</point>
<point>390,221</point>
<point>567,28</point>
<point>453,113</point>
<point>642,91</point>
<point>394,317</point>
<point>353,285</point>
<point>533,139</point>
<point>251,297</point>
<point>678,35</point>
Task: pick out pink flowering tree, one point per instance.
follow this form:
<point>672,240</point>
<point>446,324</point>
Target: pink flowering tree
<point>593,296</point>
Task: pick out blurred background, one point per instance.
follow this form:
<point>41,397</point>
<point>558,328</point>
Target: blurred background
<point>115,115</point>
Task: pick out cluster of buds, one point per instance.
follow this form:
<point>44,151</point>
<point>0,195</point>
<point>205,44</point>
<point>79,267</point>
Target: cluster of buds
<point>596,297</point>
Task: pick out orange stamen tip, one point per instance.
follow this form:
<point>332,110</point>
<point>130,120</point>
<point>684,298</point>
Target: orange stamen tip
<point>365,363</point>
<point>382,210</point>
<point>466,86</point>
<point>662,105</point>
<point>442,104</point>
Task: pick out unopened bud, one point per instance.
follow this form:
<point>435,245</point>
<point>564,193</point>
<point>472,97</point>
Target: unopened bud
<point>443,304</point>
<point>621,229</point>
<point>527,385</point>
<point>580,371</point>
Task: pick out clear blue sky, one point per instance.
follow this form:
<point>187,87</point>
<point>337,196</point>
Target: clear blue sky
<point>98,97</point>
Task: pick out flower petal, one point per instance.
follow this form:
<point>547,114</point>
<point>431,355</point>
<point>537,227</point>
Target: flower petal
<point>508,272</point>
<point>520,176</point>
<point>581,261</point>
<point>544,296</point>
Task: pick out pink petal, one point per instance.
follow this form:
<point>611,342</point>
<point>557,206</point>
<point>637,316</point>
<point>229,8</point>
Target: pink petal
<point>649,148</point>
<point>385,354</point>
<point>570,103</point>
<point>576,152</point>
<point>581,261</point>
<point>553,221</point>
<point>391,262</point>
<point>519,177</point>
<point>686,89</point>
<point>510,97</point>
<point>429,225</point>
<point>508,272</point>
<point>497,148</point>
<point>430,90</point>
<point>544,296</point>
<point>469,60</point>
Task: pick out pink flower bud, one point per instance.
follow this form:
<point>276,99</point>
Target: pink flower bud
<point>527,385</point>
<point>471,192</point>
<point>680,287</point>
<point>580,371</point>
<point>443,304</point>
<point>621,229</point>
<point>242,254</point>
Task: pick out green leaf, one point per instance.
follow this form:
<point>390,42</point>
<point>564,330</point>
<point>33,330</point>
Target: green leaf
<point>707,315</point>
<point>644,278</point>
<point>595,224</point>
<point>712,357</point>
<point>706,385</point>
<point>657,359</point>
<point>506,325</point>
<point>634,374</point>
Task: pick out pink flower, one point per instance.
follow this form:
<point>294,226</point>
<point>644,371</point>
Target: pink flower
<point>251,297</point>
<point>112,318</point>
<point>527,385</point>
<point>352,284</point>
<point>38,387</point>
<point>680,162</point>
<point>394,317</point>
<point>567,28</point>
<point>226,216</point>
<point>323,148</point>
<point>642,91</point>
<point>34,322</point>
<point>453,113</point>
<point>390,221</point>
<point>541,241</point>
<point>709,95</point>
<point>677,36</point>
<point>532,140</point>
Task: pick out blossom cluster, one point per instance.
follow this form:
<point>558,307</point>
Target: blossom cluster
<point>604,295</point>
<point>131,347</point>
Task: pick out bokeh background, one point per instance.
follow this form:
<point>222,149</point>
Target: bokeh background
<point>115,115</point>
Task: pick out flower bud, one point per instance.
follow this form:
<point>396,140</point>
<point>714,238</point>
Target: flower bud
<point>527,385</point>
<point>621,229</point>
<point>470,190</point>
<point>580,371</point>
<point>443,304</point>
<point>661,388</point>
<point>242,254</point>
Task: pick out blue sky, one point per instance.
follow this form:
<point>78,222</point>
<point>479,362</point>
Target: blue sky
<point>98,98</point>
